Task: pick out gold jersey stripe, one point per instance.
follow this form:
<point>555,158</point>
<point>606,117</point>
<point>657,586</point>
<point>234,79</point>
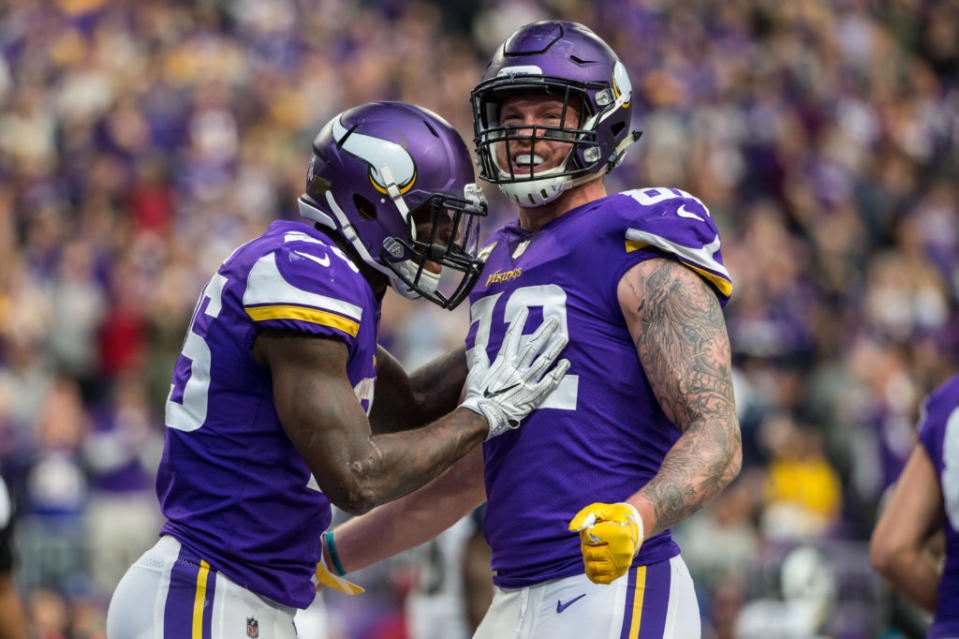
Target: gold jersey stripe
<point>638,602</point>
<point>723,285</point>
<point>200,599</point>
<point>312,315</point>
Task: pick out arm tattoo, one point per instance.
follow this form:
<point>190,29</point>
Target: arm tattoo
<point>680,336</point>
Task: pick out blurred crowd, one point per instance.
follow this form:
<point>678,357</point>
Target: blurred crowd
<point>142,140</point>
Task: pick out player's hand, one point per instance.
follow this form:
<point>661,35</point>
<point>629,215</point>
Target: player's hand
<point>509,389</point>
<point>327,579</point>
<point>610,535</point>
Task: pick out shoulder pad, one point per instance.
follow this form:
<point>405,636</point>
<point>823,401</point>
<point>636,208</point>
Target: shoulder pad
<point>307,282</point>
<point>673,221</point>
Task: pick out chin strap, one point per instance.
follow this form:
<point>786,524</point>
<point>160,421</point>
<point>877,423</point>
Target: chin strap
<point>611,162</point>
<point>544,180</point>
<point>393,190</point>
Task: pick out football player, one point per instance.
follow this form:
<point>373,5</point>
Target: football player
<point>924,502</point>
<point>642,432</point>
<point>267,417</point>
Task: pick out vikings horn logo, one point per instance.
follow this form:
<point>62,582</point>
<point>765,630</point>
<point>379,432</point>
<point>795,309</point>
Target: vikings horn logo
<point>378,152</point>
<point>621,84</point>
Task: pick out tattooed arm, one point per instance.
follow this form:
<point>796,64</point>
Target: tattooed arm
<point>404,401</point>
<point>677,326</point>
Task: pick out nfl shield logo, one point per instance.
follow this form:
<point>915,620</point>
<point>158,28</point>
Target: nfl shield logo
<point>252,628</point>
<point>520,249</point>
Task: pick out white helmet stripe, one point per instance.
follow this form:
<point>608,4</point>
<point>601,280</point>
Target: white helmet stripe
<point>377,152</point>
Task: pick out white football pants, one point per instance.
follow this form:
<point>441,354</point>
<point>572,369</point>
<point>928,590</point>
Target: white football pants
<point>165,595</point>
<point>657,601</point>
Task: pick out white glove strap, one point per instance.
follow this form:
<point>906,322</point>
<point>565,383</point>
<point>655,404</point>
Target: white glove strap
<point>639,525</point>
<point>495,415</point>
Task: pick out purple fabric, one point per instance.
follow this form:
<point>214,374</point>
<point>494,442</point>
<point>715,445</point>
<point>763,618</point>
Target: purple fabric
<point>652,622</point>
<point>235,491</point>
<point>613,442</point>
<point>181,598</point>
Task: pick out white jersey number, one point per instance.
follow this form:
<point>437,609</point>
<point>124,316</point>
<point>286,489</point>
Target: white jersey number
<point>190,413</point>
<point>552,299</point>
<point>950,470</point>
<point>648,197</point>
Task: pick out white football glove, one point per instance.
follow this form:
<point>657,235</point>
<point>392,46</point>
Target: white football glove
<point>517,382</point>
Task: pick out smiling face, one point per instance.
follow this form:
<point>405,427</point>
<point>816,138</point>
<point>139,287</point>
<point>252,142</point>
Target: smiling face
<point>539,116</point>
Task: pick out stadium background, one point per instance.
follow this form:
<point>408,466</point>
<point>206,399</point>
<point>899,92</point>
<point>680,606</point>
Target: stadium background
<point>140,141</point>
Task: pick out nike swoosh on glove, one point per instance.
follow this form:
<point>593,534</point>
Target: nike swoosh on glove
<point>517,382</point>
<point>610,536</point>
<point>326,578</point>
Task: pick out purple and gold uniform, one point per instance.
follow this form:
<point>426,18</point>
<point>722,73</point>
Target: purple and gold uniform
<point>939,433</point>
<point>601,435</point>
<point>234,490</point>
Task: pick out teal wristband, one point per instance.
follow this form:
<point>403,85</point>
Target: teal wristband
<point>334,558</point>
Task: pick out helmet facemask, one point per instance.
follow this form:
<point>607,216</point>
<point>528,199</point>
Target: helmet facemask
<point>528,187</point>
<point>443,230</point>
<point>569,62</point>
<point>394,181</point>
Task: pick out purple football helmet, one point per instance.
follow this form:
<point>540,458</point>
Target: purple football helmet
<point>569,61</point>
<point>381,169</point>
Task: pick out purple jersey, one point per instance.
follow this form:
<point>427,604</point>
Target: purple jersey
<point>601,435</point>
<point>232,486</point>
<point>939,433</point>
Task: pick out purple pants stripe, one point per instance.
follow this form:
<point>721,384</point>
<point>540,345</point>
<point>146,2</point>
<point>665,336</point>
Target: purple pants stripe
<point>208,604</point>
<point>188,613</point>
<point>647,599</point>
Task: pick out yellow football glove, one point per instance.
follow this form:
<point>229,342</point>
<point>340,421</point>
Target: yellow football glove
<point>328,578</point>
<point>610,535</point>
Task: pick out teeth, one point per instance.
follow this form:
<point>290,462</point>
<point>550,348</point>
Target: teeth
<point>524,158</point>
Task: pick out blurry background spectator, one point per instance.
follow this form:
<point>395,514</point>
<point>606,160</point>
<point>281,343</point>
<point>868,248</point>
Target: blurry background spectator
<point>139,140</point>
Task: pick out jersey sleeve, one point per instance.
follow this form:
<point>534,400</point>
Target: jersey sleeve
<point>929,435</point>
<point>305,288</point>
<point>659,220</point>
<point>938,410</point>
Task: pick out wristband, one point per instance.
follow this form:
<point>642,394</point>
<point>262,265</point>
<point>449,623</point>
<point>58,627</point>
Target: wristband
<point>334,557</point>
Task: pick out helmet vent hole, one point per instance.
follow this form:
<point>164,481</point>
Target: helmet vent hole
<point>432,130</point>
<point>580,61</point>
<point>616,128</point>
<point>364,207</point>
<point>317,187</point>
